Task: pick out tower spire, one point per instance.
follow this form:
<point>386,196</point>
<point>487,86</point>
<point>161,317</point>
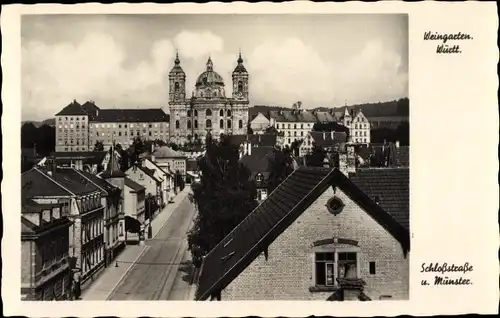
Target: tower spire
<point>210,65</point>
<point>177,61</point>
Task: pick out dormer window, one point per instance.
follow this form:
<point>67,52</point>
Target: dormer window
<point>259,177</point>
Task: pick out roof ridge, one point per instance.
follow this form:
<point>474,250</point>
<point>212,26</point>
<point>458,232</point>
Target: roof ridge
<point>251,212</point>
<point>274,226</point>
<point>77,171</point>
<point>54,181</point>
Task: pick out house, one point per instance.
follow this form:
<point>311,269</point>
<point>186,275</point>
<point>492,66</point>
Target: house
<point>319,236</point>
<point>146,178</point>
<point>89,161</point>
<point>45,266</point>
<point>81,201</point>
<point>294,124</point>
<point>260,123</point>
<point>134,197</point>
<point>166,177</point>
<point>246,141</point>
<point>111,199</point>
<point>358,124</point>
<point>329,141</point>
<point>192,170</point>
<point>257,161</point>
<point>169,160</point>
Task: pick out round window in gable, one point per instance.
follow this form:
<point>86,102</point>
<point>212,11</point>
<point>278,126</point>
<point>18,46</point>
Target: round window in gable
<point>335,205</point>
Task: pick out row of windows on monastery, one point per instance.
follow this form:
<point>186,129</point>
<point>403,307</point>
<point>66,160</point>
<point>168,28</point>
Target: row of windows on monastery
<point>295,126</point>
<point>359,126</point>
<point>71,126</point>
<point>131,125</point>
<point>208,113</point>
<point>360,133</point>
<point>72,118</point>
<point>208,124</point>
<point>92,229</point>
<point>126,133</point>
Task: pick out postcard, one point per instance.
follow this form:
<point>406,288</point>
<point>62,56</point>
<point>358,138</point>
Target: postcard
<point>271,159</point>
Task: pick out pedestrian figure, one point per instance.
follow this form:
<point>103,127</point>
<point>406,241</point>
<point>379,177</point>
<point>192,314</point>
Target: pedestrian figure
<point>76,285</point>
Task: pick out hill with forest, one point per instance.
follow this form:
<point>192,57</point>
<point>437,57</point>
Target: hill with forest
<point>394,108</point>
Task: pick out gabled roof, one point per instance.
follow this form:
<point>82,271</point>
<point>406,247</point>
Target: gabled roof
<point>162,170</point>
<point>265,140</point>
<point>391,186</point>
<point>292,116</point>
<point>37,183</point>
<point>324,139</point>
<point>87,157</point>
<point>134,185</point>
<point>99,182</point>
<point>258,161</point>
<point>273,216</point>
<point>73,109</point>
<point>72,180</point>
<point>131,115</point>
<point>147,171</point>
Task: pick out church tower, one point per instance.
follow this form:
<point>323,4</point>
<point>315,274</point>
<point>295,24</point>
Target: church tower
<point>240,98</point>
<point>177,82</point>
<point>240,82</point>
<point>177,102</point>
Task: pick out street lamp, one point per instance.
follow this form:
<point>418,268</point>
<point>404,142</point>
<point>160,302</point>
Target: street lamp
<point>150,228</point>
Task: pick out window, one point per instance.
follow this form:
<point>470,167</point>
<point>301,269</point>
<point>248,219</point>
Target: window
<point>259,177</point>
<point>221,122</point>
<point>229,124</point>
<point>195,123</point>
<point>189,124</point>
<point>240,124</point>
<point>324,269</point>
<point>335,205</point>
<point>228,113</point>
<point>195,113</point>
<point>372,268</point>
<point>240,86</point>
<point>208,123</point>
<point>221,113</point>
<point>189,113</point>
<point>176,85</point>
<point>177,124</point>
<point>208,112</point>
<point>347,264</point>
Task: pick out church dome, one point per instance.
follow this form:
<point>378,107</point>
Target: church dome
<point>209,77</point>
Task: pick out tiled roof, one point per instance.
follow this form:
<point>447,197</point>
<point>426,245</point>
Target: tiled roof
<point>391,186</point>
<point>293,116</point>
<point>73,109</point>
<point>166,152</point>
<point>266,140</point>
<point>258,161</point>
<point>72,180</point>
<point>280,209</point>
<point>191,165</point>
<point>101,183</point>
<point>162,170</point>
<point>131,115</point>
<point>36,183</point>
<point>324,139</point>
<point>147,171</point>
<point>134,185</point>
<point>90,108</point>
<point>322,116</point>
<point>88,157</point>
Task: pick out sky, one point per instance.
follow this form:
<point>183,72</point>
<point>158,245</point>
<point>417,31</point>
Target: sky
<point>122,61</point>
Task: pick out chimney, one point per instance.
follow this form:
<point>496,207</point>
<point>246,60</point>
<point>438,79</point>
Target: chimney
<point>324,135</point>
<point>249,145</point>
<point>332,135</point>
<point>397,143</point>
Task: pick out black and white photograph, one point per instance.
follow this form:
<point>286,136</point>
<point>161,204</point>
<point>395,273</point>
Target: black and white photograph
<point>215,157</point>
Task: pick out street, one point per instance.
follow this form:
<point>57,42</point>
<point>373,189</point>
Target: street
<point>163,271</point>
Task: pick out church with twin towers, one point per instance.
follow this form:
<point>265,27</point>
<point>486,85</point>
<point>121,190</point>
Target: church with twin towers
<point>208,109</point>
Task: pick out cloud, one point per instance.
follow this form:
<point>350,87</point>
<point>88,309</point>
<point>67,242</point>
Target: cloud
<point>281,72</point>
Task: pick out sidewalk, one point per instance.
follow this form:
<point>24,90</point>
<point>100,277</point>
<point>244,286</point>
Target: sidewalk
<point>161,219</point>
<point>111,276</point>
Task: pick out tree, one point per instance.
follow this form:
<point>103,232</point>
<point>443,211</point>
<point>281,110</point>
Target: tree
<point>271,130</point>
<point>249,130</point>
<point>294,147</point>
<point>28,135</point>
<point>224,196</point>
<point>317,156</point>
<point>280,165</point>
<point>99,146</point>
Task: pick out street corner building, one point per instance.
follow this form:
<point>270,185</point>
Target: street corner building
<point>45,268</point>
<point>320,235</point>
<point>93,207</point>
<point>208,109</point>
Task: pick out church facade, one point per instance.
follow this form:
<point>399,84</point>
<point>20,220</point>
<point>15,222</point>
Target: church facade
<point>208,109</point>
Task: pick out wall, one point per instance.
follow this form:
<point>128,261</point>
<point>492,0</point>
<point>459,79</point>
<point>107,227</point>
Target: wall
<point>72,133</point>
<point>288,272</point>
<point>143,179</point>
